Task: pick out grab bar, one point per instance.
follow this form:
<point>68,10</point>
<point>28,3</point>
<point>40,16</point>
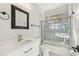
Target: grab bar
<point>35,25</point>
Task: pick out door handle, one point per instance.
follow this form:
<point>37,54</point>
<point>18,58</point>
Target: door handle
<point>28,50</point>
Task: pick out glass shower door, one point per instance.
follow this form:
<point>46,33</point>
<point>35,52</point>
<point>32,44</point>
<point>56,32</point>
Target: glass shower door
<point>56,31</point>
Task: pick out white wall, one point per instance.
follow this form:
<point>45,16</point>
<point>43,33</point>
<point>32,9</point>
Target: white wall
<point>7,34</point>
<point>76,21</point>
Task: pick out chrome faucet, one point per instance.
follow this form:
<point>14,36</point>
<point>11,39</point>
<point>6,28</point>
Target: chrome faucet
<point>20,38</point>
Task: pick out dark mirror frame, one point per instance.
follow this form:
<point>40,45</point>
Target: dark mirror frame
<point>13,18</point>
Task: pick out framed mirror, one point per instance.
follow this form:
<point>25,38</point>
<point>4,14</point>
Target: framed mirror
<point>19,18</point>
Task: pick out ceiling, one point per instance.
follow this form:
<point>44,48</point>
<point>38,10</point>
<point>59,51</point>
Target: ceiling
<point>43,6</point>
<point>47,6</point>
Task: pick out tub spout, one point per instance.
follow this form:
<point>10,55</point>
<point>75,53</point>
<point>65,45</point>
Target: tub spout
<point>20,38</point>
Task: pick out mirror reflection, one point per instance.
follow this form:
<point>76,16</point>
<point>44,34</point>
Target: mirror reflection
<point>19,19</point>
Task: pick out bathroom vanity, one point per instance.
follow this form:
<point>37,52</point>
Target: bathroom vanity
<point>27,47</point>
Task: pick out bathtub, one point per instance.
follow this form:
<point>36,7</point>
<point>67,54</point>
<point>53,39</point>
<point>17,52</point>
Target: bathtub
<point>49,48</point>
